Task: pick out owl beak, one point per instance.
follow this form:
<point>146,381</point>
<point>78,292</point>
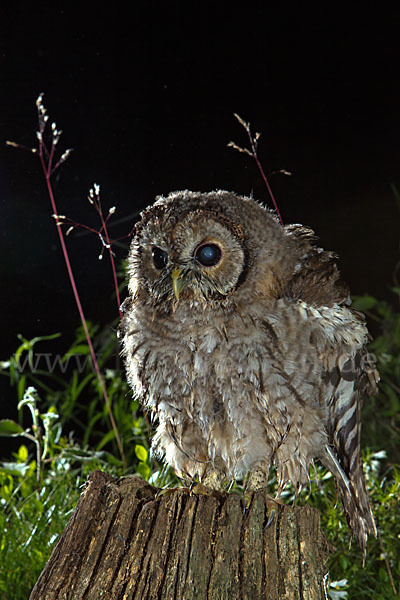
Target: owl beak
<point>177,282</point>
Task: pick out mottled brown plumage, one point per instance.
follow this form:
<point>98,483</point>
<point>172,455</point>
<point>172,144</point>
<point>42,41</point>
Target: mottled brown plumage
<point>239,339</point>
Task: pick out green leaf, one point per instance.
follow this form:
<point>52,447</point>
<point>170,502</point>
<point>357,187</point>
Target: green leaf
<point>22,454</point>
<point>143,470</point>
<point>365,302</point>
<point>383,576</point>
<point>81,455</point>
<point>10,428</point>
<point>78,349</point>
<point>106,439</point>
<point>141,453</point>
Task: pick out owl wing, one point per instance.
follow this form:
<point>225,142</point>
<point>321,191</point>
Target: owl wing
<point>349,377</point>
<point>349,374</point>
<point>316,279</point>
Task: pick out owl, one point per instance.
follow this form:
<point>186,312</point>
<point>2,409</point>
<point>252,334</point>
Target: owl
<point>239,339</point>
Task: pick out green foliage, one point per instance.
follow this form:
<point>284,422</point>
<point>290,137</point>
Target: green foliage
<point>37,495</point>
<point>65,433</point>
<point>40,485</point>
<point>381,415</point>
<point>382,565</point>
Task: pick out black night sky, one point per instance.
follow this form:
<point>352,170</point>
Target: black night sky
<point>145,94</point>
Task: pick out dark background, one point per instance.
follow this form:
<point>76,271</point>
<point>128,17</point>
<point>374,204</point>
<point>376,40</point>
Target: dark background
<point>145,94</point>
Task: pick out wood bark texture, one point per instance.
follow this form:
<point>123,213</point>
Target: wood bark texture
<point>121,543</point>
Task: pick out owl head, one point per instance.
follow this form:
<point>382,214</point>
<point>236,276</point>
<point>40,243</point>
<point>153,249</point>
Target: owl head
<point>212,249</point>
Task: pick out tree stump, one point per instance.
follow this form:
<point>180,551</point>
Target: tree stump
<point>121,543</point>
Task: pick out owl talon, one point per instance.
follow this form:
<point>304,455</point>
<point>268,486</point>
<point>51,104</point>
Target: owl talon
<point>198,489</point>
<point>165,492</point>
<point>247,498</point>
<point>272,506</point>
<point>271,517</point>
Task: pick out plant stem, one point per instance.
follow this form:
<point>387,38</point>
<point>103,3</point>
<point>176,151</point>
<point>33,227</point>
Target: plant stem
<point>253,153</point>
<point>114,270</point>
<point>263,175</point>
<point>47,173</point>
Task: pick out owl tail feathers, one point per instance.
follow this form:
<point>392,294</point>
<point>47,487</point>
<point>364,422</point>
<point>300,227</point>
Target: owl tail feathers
<point>354,498</point>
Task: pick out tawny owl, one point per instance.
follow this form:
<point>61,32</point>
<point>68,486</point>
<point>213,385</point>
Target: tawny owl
<point>239,338</point>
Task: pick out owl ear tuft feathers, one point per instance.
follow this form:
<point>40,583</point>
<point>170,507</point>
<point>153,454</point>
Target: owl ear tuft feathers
<point>237,335</point>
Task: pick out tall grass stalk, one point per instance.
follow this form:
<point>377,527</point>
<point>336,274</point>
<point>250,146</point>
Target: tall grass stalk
<point>253,152</point>
<point>47,158</point>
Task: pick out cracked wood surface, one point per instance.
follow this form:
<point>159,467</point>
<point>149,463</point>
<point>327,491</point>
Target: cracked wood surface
<point>121,543</point>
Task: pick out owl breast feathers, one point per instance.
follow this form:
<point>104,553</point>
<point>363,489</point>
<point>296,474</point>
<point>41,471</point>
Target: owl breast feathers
<point>239,338</point>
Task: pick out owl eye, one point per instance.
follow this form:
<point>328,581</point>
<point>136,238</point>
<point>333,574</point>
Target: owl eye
<point>208,255</point>
<point>160,257</point>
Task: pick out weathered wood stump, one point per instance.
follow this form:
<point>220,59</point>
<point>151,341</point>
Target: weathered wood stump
<point>121,543</point>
